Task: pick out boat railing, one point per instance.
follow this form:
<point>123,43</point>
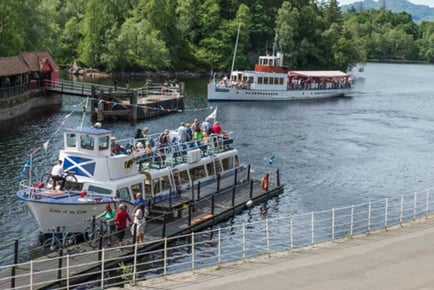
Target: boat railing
<point>174,153</point>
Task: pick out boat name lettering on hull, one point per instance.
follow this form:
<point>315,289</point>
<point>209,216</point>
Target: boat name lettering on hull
<point>52,210</point>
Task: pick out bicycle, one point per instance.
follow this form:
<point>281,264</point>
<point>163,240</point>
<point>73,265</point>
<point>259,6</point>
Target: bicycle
<point>95,231</point>
<point>59,239</point>
<point>68,178</point>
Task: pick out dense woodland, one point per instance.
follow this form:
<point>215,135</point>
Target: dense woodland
<point>133,35</point>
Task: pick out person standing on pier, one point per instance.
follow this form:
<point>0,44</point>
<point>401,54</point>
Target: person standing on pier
<point>109,215</point>
<point>121,219</point>
<point>140,222</point>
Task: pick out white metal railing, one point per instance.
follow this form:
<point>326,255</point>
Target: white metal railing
<point>226,244</point>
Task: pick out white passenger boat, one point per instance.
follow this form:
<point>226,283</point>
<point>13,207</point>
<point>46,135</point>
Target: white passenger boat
<point>101,177</point>
<point>271,81</point>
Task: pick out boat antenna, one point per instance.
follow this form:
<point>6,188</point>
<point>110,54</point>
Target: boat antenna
<point>235,50</point>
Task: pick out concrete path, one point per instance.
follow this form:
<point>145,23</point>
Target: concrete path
<point>400,258</point>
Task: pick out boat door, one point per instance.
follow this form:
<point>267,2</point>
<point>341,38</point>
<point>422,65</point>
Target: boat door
<point>181,179</point>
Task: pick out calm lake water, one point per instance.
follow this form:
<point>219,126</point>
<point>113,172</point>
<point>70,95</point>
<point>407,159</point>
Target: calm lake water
<point>376,143</point>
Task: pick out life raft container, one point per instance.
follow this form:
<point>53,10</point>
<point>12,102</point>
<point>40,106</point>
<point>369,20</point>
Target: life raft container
<point>264,182</point>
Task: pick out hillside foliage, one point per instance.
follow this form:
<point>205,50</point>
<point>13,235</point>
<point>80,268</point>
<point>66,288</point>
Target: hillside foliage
<point>132,35</point>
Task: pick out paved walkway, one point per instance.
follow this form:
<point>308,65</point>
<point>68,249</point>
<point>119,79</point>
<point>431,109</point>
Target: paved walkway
<point>400,258</point>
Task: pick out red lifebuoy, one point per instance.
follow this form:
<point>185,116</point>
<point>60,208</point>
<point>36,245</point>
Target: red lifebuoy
<point>264,182</point>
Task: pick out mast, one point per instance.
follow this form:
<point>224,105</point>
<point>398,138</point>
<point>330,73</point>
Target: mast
<point>235,50</point>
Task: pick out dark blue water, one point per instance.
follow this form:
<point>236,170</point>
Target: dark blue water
<point>331,153</point>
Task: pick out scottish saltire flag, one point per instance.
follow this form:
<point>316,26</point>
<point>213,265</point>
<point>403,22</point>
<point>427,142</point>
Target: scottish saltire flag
<point>79,165</point>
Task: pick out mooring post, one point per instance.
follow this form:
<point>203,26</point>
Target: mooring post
<point>248,172</point>
<point>233,195</point>
<point>251,189</point>
<point>278,177</point>
<point>235,176</point>
<point>218,183</point>
<point>198,190</point>
<point>59,264</point>
<point>134,105</point>
<point>212,204</point>
<point>163,234</point>
<point>189,214</point>
<point>15,263</point>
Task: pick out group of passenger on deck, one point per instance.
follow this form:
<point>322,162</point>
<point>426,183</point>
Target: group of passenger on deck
<point>187,135</point>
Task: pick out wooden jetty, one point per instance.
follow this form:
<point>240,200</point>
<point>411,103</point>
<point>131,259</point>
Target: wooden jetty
<point>184,214</point>
<point>118,103</point>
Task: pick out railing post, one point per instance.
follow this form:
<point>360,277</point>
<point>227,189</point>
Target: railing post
<point>386,209</point>
<point>414,206</point>
<point>352,220</point>
<point>402,210</point>
<point>312,227</point>
<point>219,246</point>
<point>192,251</point>
<point>267,236</point>
<point>136,250</point>
<point>31,275</point>
<point>291,232</point>
<point>333,224</point>
<point>102,268</point>
<point>165,258</point>
<point>369,217</point>
<point>67,271</point>
<point>243,240</point>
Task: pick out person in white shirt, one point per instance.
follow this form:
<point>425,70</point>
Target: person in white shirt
<point>57,174</point>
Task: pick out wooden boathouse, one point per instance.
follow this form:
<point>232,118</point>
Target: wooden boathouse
<point>89,262</point>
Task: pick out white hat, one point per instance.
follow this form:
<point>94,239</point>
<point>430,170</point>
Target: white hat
<point>140,145</point>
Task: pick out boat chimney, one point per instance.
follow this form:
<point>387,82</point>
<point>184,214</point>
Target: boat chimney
<point>279,59</point>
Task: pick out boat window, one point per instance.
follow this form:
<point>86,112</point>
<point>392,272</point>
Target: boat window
<point>148,182</point>
<point>228,163</point>
<point>123,193</point>
<point>265,81</point>
<point>197,172</point>
<point>103,143</point>
<point>251,80</point>
<point>70,140</point>
<point>161,184</point>
<point>210,169</point>
<point>136,187</point>
<point>87,142</point>
<point>260,80</point>
<point>184,177</point>
<point>98,190</point>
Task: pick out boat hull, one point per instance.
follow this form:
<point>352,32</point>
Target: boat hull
<point>71,212</point>
<point>216,93</point>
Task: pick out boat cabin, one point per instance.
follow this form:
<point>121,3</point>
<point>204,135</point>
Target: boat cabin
<point>88,154</point>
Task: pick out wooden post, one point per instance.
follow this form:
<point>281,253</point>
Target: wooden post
<point>248,172</point>
<point>134,105</point>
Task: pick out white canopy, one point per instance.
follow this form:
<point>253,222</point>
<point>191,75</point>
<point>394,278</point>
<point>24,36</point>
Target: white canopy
<point>318,74</point>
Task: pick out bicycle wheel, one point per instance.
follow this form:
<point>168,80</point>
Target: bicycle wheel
<point>70,182</point>
<point>87,234</point>
<point>47,180</point>
<point>69,240</point>
<point>96,236</point>
<point>50,245</point>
